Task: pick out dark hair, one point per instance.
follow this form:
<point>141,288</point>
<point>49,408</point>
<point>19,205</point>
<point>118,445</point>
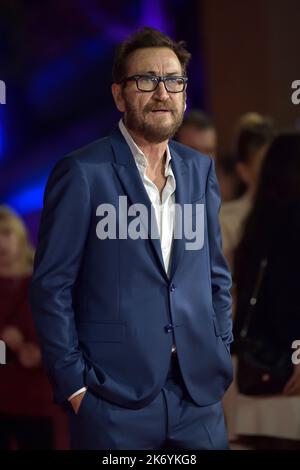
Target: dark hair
<point>280,172</point>
<point>278,194</point>
<point>146,37</point>
<point>252,138</point>
<point>198,119</point>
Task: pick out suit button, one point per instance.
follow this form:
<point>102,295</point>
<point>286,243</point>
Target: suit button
<point>169,328</point>
<point>172,288</point>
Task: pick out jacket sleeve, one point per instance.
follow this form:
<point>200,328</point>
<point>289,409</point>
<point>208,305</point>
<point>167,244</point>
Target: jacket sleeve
<point>220,275</point>
<point>63,230</point>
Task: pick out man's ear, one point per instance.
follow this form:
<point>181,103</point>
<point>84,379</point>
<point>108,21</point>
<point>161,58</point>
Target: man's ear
<point>116,90</point>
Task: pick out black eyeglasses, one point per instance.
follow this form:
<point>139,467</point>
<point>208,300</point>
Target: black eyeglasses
<point>149,83</point>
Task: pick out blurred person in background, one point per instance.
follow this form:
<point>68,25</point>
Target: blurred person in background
<point>272,232</point>
<point>253,134</point>
<point>198,132</point>
<point>251,147</point>
<point>231,186</point>
<point>25,395</point>
<point>247,121</point>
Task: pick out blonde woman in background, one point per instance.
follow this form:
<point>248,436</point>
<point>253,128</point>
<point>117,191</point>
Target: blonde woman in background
<point>25,396</point>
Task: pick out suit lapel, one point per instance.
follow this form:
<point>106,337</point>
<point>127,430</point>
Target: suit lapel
<point>133,186</point>
<point>182,196</point>
<point>129,176</point>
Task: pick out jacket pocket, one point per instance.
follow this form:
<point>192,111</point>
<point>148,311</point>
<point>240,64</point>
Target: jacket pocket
<point>218,334</point>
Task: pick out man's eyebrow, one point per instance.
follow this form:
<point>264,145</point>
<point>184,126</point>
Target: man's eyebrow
<point>175,74</point>
<point>152,72</point>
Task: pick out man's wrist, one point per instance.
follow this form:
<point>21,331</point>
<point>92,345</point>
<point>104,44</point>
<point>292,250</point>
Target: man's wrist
<point>78,392</point>
<point>76,401</point>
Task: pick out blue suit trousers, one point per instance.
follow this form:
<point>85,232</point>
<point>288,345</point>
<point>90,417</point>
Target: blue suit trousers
<point>171,421</point>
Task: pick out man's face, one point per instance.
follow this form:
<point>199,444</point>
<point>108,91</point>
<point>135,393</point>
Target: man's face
<point>205,141</point>
<point>155,115</point>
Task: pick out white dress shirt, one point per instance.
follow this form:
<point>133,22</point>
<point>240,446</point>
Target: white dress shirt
<point>163,207</point>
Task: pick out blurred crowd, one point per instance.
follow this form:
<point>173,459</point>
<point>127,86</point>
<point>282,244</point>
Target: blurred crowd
<point>28,418</point>
<point>259,182</point>
<point>260,225</point>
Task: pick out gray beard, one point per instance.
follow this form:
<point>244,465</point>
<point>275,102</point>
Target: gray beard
<point>155,134</point>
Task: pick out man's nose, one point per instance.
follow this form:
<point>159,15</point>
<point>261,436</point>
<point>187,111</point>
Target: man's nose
<point>161,91</point>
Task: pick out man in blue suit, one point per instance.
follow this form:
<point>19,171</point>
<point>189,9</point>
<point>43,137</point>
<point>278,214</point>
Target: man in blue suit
<point>134,319</point>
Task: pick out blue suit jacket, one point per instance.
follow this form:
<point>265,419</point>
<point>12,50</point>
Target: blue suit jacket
<point>102,307</point>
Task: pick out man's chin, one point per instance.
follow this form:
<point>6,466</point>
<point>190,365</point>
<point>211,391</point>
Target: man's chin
<point>155,129</point>
<point>161,130</point>
<point>158,136</point>
<point>161,117</point>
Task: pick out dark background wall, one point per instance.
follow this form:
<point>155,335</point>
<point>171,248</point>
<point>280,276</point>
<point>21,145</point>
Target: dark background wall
<point>251,57</point>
